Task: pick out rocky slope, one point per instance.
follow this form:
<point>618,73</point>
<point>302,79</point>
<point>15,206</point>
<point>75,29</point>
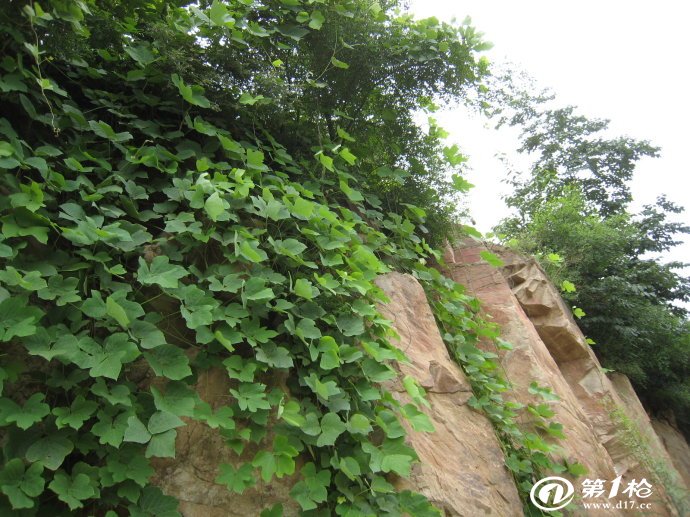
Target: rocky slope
<point>461,466</point>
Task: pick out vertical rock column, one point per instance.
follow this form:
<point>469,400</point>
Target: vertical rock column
<point>530,361</point>
<point>605,406</point>
<point>461,468</point>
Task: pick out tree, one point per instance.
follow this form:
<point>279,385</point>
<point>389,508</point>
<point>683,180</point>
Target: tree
<point>573,202</point>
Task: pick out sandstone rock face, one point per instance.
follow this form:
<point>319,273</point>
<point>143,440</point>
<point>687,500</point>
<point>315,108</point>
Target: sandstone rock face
<point>675,445</point>
<point>530,360</point>
<point>461,468</point>
<point>654,453</point>
<point>199,451</point>
<point>607,405</point>
<point>550,348</point>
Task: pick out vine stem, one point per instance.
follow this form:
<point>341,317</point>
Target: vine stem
<point>56,130</point>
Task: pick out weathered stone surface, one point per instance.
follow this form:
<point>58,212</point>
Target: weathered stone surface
<point>530,361</point>
<point>577,363</point>
<point>199,451</point>
<point>675,445</point>
<point>461,467</point>
<point>653,457</point>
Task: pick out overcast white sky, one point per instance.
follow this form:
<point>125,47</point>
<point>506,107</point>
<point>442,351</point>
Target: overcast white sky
<point>627,61</point>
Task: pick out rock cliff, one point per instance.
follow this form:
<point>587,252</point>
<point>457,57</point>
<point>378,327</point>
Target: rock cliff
<point>462,466</point>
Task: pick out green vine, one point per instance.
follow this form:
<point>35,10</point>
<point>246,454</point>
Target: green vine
<point>152,228</point>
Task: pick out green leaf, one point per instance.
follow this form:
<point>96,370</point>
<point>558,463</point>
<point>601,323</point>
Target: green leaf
<point>162,445</point>
<point>251,396</point>
<point>307,329</point>
<point>338,63</point>
<point>153,503</point>
<point>117,312</point>
<point>290,247</point>
<point>302,208</point>
<point>312,489</point>
<point>160,272</point>
<point>401,464</point>
<point>545,393</point>
<point>578,313</point>
<point>141,54</point>
<point>249,249</point>
<point>346,155</point>
<point>193,94</point>
<point>72,490</point>
<point>577,469</point>
<point>274,356</point>
<point>169,361</point>
<point>352,194</point>
<point>266,461</point>
<point>350,324</point>
<point>219,15</point>
<point>554,258</point>
<point>345,135</point>
<point>255,160</point>
<point>329,353</point>
<point>331,427</point>
<point>304,288</point>
<point>455,158</point>
<point>291,414</point>
<point>415,391</point>
<point>326,161</point>
<point>94,307</point>
<point>136,431</point>
<point>162,421</point>
<point>250,100</point>
<point>50,451</point>
<point>32,412</point>
<point>178,399</point>
<point>388,421</point>
<point>492,259</point>
<point>148,334</point>
<point>221,418</point>
<point>17,318</point>
<point>568,287</point>
<point>359,424</point>
<point>460,184</point>
<point>214,206</point>
<point>350,467</point>
<point>104,130</point>
<point>379,484</point>
<point>21,485</point>
<point>75,415</point>
<point>31,197</point>
<point>236,480</point>
<point>316,20</point>
<point>255,289</point>
<point>418,420</point>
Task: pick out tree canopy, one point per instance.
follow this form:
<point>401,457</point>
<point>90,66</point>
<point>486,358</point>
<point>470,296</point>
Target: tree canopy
<point>574,202</point>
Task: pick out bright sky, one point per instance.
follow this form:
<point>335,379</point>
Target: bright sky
<point>622,60</point>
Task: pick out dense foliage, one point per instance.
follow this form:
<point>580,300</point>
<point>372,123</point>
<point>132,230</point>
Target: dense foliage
<point>188,185</point>
<point>574,204</point>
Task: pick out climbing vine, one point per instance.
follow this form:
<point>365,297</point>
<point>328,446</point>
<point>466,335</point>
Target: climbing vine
<point>156,222</point>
